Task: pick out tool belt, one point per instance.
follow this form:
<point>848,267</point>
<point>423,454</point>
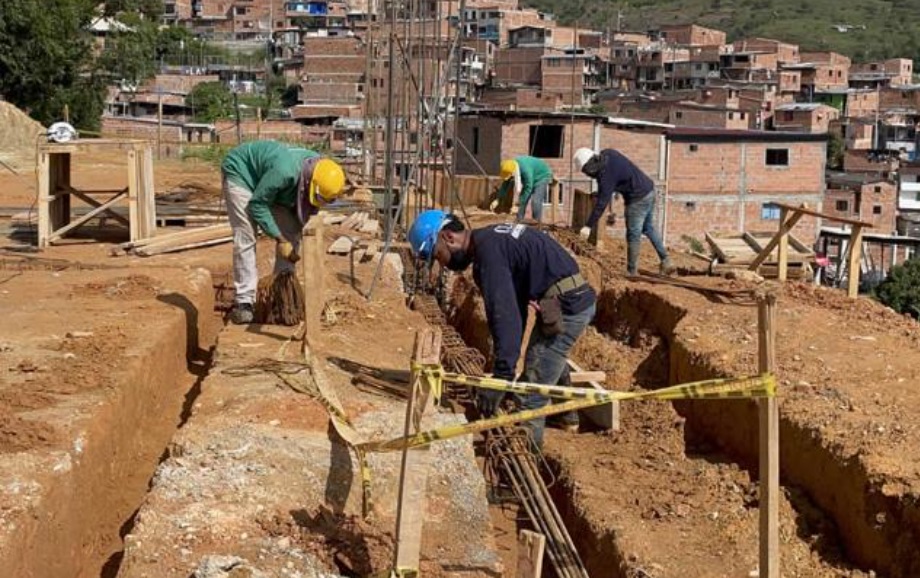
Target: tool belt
<point>565,285</point>
<point>549,307</point>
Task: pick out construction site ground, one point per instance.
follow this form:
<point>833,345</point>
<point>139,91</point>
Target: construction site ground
<point>140,436</point>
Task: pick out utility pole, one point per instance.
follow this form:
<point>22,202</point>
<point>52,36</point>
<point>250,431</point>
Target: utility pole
<point>461,36</point>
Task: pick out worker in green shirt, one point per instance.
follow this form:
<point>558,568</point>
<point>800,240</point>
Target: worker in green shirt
<point>278,189</point>
<point>530,178</point>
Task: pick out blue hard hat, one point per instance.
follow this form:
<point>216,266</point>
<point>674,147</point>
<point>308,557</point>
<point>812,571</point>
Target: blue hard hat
<point>423,234</point>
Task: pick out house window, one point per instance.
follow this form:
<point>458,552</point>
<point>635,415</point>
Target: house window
<point>878,188</point>
<point>546,141</point>
<point>731,116</point>
<point>475,140</point>
<point>240,10</point>
<point>678,114</point>
<point>842,206</point>
<point>769,212</point>
<point>777,157</point>
<point>876,209</point>
<point>694,148</point>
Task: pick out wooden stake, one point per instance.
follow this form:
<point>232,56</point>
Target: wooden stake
<point>783,257</point>
<point>530,549</point>
<point>312,253</point>
<point>769,445</point>
<point>855,254</point>
<point>784,229</point>
<point>413,471</point>
<point>607,416</point>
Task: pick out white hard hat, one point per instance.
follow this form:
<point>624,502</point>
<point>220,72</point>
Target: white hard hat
<point>582,156</point>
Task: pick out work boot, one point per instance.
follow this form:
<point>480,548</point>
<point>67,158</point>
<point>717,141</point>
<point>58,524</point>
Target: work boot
<point>667,267</point>
<point>242,314</point>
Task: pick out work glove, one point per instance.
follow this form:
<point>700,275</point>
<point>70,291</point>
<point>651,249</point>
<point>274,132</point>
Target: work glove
<point>489,401</point>
<point>286,251</point>
<point>493,206</point>
<point>584,233</point>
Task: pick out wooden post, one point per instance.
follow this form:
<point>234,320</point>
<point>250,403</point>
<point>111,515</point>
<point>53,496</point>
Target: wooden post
<point>784,229</point>
<point>312,253</point>
<point>413,471</point>
<point>769,444</point>
<point>530,548</point>
<point>159,123</point>
<point>855,254</point>
<point>553,195</point>
<point>783,260</point>
<point>44,198</point>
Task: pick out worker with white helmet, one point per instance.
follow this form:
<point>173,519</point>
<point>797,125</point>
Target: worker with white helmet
<point>616,174</point>
<point>273,187</point>
<point>515,266</point>
<point>529,177</point>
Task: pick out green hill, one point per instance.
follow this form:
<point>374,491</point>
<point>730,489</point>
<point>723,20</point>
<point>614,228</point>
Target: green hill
<point>892,28</point>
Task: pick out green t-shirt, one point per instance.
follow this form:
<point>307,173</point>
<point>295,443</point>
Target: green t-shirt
<point>271,171</point>
<point>533,172</point>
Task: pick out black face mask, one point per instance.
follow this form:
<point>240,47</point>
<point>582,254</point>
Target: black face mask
<point>593,167</point>
<point>459,260</point>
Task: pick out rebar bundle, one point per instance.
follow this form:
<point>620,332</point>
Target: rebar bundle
<point>279,300</point>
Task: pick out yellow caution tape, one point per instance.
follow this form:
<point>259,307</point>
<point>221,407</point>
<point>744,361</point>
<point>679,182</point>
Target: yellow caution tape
<point>755,386</point>
<point>433,371</point>
<point>749,387</point>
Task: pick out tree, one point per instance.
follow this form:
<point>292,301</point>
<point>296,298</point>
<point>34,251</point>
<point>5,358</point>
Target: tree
<point>835,151</point>
<point>210,101</point>
<point>901,289</point>
<point>46,60</point>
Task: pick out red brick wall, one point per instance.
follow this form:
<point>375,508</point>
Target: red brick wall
<point>862,104</point>
<point>519,65</point>
<point>692,35</point>
<point>705,187</point>
<point>708,118</point>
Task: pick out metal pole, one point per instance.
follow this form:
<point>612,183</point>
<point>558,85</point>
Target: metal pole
<point>388,153</point>
<point>461,36</point>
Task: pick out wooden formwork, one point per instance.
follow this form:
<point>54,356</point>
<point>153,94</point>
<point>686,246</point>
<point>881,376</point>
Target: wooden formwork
<point>55,192</point>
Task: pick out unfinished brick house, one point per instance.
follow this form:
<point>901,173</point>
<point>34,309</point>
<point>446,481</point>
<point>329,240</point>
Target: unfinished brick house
<point>721,180</point>
<point>891,72</point>
<point>804,117</point>
<point>691,35</point>
<point>863,196</point>
<point>691,114</point>
<point>821,71</point>
<point>488,136</point>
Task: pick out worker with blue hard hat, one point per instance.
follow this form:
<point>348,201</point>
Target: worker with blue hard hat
<point>515,266</point>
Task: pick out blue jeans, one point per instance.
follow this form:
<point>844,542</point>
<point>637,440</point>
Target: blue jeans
<point>536,200</point>
<point>640,220</point>
<point>545,362</point>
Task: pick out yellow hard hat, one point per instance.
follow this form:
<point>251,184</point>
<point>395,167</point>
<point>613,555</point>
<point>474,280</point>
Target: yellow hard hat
<point>507,169</point>
<point>326,183</point>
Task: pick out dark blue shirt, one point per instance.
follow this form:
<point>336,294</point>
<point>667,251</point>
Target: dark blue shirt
<point>514,265</point>
<point>618,175</point>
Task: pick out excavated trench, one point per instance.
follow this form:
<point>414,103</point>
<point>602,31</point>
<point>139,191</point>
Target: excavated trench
<point>677,448</point>
<point>123,430</point>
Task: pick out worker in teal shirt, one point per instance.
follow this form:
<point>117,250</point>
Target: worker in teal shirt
<point>530,178</point>
<point>273,187</point>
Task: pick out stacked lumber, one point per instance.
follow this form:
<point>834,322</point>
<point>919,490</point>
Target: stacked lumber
<point>362,222</point>
<point>174,242</point>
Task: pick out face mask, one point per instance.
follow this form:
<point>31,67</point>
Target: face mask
<point>592,168</point>
<point>459,260</point>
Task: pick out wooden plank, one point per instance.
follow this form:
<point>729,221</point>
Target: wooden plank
<point>133,186</point>
<point>312,256</point>
<point>151,250</point>
<point>586,376</point>
<point>783,259</point>
<point>182,237</point>
<point>806,211</point>
<point>854,270</point>
<point>44,198</point>
<point>769,444</point>
<point>413,471</point>
<point>530,548</point>
<point>84,219</point>
<point>716,247</point>
<point>150,203</point>
<point>784,228</point>
<point>607,416</point>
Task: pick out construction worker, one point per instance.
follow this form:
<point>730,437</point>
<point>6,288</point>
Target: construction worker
<point>515,266</point>
<point>616,174</point>
<point>278,189</point>
<point>529,177</point>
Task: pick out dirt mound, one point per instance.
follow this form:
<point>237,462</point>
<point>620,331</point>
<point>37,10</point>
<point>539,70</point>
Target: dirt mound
<point>19,136</point>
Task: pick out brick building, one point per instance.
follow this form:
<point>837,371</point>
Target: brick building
<point>863,196</point>
<point>784,52</point>
<point>691,114</point>
<point>891,72</point>
<point>804,117</point>
<point>691,35</point>
<point>722,180</point>
<point>488,136</point>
